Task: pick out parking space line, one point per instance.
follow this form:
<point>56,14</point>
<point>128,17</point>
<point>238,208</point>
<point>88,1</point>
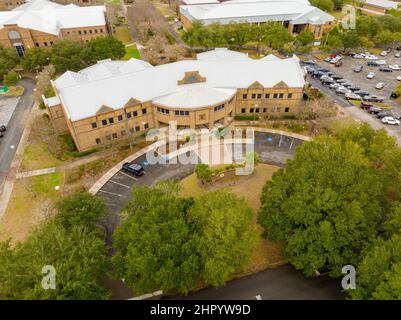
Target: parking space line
<point>127,175</point>
<point>112,193</point>
<point>120,184</point>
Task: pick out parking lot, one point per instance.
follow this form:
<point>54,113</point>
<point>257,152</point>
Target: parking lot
<point>359,79</point>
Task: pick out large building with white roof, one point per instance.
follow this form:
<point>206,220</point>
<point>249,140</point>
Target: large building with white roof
<point>295,15</point>
<point>116,99</point>
<point>41,23</point>
<point>10,4</point>
<point>378,7</point>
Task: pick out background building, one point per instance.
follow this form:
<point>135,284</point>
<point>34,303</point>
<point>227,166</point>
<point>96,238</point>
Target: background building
<point>41,23</point>
<point>293,14</point>
<point>378,7</point>
<point>10,4</point>
<point>115,99</point>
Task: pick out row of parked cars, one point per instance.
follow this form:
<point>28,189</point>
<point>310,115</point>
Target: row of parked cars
<point>339,84</point>
<point>385,116</point>
<point>351,92</point>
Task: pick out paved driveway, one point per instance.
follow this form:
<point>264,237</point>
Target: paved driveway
<point>16,125</point>
<point>281,283</point>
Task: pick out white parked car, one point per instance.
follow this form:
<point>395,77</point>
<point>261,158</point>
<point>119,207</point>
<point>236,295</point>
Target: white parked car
<point>358,56</point>
<point>395,67</point>
<point>381,62</point>
<point>371,75</point>
<point>336,59</point>
<point>398,54</point>
<point>380,86</point>
<point>342,90</point>
<point>399,78</point>
<point>334,85</point>
<point>352,96</point>
<point>391,120</point>
<point>371,57</point>
<point>384,53</point>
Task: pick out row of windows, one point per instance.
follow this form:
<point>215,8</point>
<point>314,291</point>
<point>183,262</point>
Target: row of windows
<point>218,108</point>
<point>114,136</point>
<point>162,110</point>
<point>264,110</point>
<point>182,113</point>
<point>90,31</point>
<point>120,117</point>
<point>267,96</point>
<point>45,43</point>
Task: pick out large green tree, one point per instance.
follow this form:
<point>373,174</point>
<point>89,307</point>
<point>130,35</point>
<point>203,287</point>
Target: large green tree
<point>378,276</point>
<point>35,58</point>
<point>8,60</point>
<point>70,55</point>
<point>106,48</point>
<point>78,256</point>
<point>172,243</point>
<point>328,202</point>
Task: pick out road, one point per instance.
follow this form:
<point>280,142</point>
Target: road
<point>15,128</point>
<point>281,283</point>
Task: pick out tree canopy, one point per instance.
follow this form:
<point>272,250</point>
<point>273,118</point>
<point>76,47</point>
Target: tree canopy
<point>327,203</point>
<point>35,58</point>
<point>8,60</point>
<point>172,243</point>
<point>70,244</point>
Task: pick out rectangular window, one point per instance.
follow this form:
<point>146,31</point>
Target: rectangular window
<point>251,110</point>
<point>111,120</point>
<point>253,95</point>
<point>259,96</point>
<point>135,113</point>
<point>243,110</point>
<point>289,95</point>
<point>95,30</point>
<point>286,109</point>
<point>145,126</point>
<point>45,43</point>
<point>267,95</point>
<point>218,108</point>
<point>94,125</point>
<point>137,128</point>
<point>281,96</point>
<point>104,122</point>
<point>144,111</point>
<point>275,96</point>
<point>98,141</point>
<point>244,96</point>
<point>85,32</point>
<point>90,31</point>
<point>257,110</point>
<point>80,32</point>
<point>37,44</point>
<point>114,135</point>
<point>120,117</point>
<point>264,110</point>
<point>128,115</point>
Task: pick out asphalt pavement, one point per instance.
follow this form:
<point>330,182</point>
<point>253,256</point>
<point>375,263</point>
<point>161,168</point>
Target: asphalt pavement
<point>15,128</point>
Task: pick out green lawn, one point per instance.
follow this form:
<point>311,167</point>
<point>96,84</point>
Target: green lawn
<point>131,52</point>
<point>123,34</point>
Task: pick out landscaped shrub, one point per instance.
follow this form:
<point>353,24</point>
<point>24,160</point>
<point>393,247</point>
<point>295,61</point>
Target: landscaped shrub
<point>241,118</point>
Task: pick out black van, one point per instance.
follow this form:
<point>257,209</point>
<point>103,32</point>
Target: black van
<point>133,168</point>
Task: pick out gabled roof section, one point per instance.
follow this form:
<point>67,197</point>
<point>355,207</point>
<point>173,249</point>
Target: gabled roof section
<point>270,57</point>
<point>104,109</point>
<point>132,102</point>
<point>280,85</point>
<point>255,85</point>
<point>222,54</point>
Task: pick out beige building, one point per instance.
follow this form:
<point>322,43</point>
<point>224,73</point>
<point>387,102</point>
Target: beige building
<point>113,100</point>
<point>295,15</point>
<point>378,7</point>
<point>10,4</point>
<point>41,23</point>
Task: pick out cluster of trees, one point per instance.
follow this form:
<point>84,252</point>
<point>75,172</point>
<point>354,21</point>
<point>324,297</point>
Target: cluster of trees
<point>71,243</point>
<point>272,35</point>
<point>338,203</point>
<point>328,5</point>
<point>370,31</point>
<point>64,55</point>
<point>172,243</point>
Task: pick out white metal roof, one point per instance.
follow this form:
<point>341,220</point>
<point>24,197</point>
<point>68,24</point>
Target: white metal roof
<point>195,95</point>
<point>254,12</point>
<point>383,4</point>
<point>222,54</point>
<point>84,93</point>
<point>51,19</point>
<point>196,2</point>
